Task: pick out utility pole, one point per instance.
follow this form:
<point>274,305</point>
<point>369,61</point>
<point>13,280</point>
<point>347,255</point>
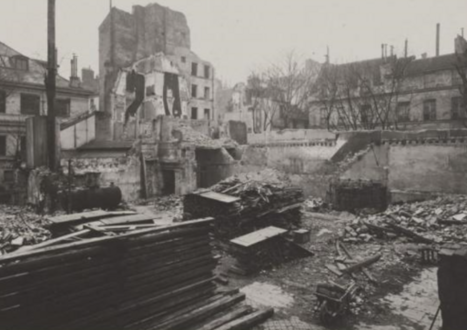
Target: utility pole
<point>52,138</point>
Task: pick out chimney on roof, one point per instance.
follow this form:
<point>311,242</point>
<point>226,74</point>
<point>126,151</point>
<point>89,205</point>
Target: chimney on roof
<point>327,54</point>
<point>406,47</point>
<point>392,50</point>
<point>74,79</point>
<point>382,51</point>
<point>424,55</point>
<point>385,50</point>
<point>460,45</point>
<point>437,39</point>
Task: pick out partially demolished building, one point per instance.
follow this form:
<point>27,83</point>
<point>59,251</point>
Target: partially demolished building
<point>156,109</point>
<point>152,44</point>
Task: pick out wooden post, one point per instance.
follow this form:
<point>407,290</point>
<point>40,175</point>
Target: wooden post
<point>52,135</point>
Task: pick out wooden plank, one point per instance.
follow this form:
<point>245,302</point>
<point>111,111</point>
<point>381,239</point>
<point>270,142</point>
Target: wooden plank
<point>364,270</point>
<point>204,311</point>
<point>409,233</point>
<point>289,207</point>
<point>236,313</point>
<point>85,216</point>
<point>53,241</point>
<point>127,219</point>
<point>258,236</point>
<point>96,241</point>
<point>362,264</point>
<point>223,198</point>
<point>333,269</point>
<point>248,321</point>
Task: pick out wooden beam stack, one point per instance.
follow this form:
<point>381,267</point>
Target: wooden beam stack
<point>158,278</point>
<point>263,249</point>
<point>252,205</point>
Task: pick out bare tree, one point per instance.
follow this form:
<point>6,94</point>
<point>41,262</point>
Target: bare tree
<point>361,95</point>
<point>283,89</point>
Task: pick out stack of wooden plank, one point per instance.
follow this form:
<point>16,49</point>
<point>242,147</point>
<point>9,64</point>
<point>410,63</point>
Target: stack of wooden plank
<point>263,249</point>
<point>66,223</point>
<point>242,207</point>
<point>158,278</point>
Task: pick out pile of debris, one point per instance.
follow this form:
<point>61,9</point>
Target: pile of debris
<point>19,226</point>
<point>245,206</point>
<point>100,277</point>
<point>190,135</point>
<point>441,221</point>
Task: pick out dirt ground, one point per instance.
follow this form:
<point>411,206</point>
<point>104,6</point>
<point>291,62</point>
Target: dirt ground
<point>296,281</point>
<point>404,297</point>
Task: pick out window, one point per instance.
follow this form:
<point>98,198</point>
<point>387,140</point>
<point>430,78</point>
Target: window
<point>455,78</point>
<point>2,101</point>
<point>206,71</point>
<point>457,108</point>
<point>207,114</point>
<point>30,104</point>
<point>183,59</point>
<point>364,113</point>
<point>194,90</point>
<point>403,111</point>
<point>62,107</point>
<point>20,63</point>
<point>323,116</point>
<point>377,77</point>
<point>150,90</point>
<point>429,110</point>
<point>194,113</point>
<point>194,69</point>
<point>3,145</point>
<point>207,93</point>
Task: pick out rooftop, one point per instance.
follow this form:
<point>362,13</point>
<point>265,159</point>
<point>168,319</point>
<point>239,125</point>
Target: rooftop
<point>34,75</point>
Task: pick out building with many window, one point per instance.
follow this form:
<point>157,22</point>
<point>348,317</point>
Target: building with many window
<point>151,31</point>
<point>392,92</point>
<point>22,95</point>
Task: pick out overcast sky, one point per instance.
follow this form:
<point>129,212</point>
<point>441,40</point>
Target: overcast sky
<point>239,35</point>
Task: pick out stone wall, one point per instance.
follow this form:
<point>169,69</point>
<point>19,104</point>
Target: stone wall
<point>419,163</point>
<point>124,172</point>
<point>427,162</point>
<point>288,135</point>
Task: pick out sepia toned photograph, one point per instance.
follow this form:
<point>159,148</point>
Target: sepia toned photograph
<point>233,165</point>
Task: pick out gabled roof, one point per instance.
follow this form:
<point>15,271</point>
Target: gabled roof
<point>35,75</point>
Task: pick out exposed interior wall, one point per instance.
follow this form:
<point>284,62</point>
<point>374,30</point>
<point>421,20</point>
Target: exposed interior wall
<point>78,134</point>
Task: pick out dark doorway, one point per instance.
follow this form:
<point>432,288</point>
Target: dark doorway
<point>168,182</point>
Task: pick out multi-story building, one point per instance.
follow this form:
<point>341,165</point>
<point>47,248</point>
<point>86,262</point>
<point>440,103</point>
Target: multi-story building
<point>22,95</point>
<point>126,38</point>
<point>392,92</point>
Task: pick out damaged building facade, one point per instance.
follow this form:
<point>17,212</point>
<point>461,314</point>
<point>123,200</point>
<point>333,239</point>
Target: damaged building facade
<point>156,110</point>
<point>149,32</point>
<point>22,96</point>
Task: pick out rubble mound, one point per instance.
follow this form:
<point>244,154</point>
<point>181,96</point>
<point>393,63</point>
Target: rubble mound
<point>192,136</point>
<point>20,226</point>
<point>439,221</point>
